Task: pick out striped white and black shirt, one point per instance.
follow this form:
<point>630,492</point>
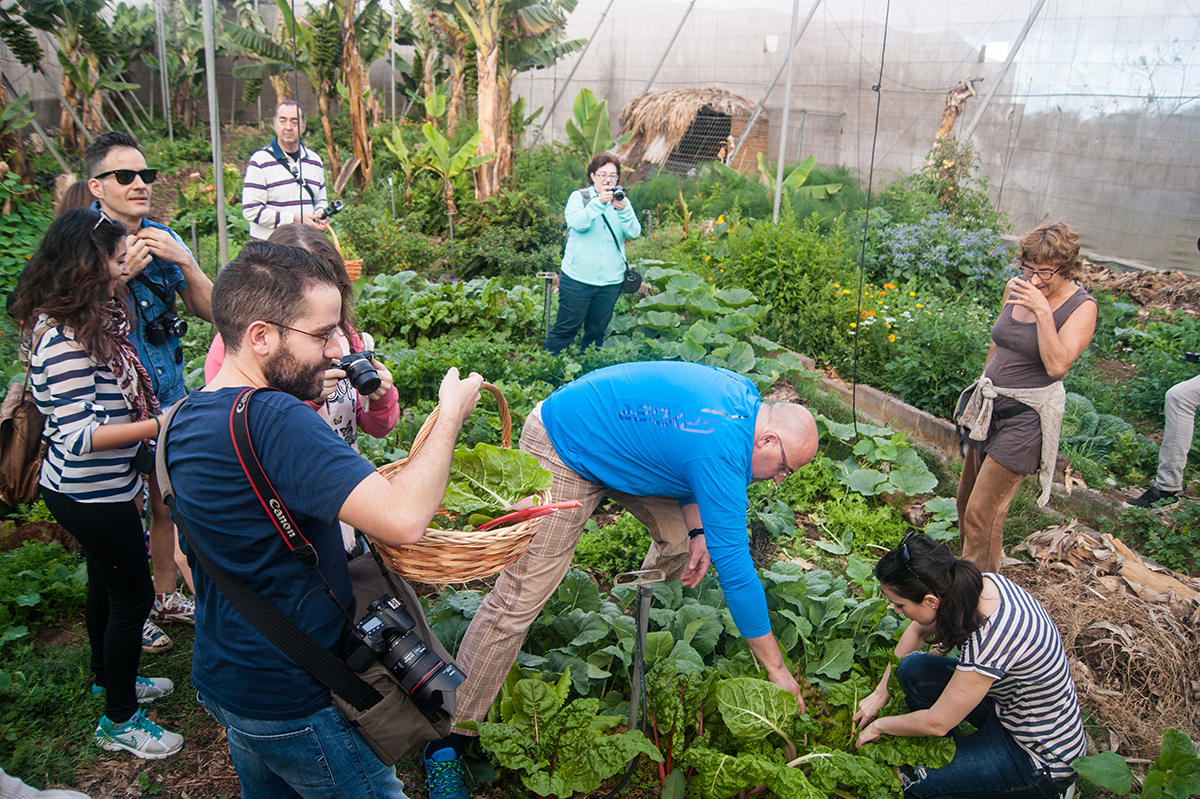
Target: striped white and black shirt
<point>1033,692</point>
<point>77,395</point>
<point>271,191</point>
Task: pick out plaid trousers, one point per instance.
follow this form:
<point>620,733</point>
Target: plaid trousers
<point>495,635</point>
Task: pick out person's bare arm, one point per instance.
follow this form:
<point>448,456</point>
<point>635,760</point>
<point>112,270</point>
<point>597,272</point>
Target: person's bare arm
<point>912,640</point>
<point>964,692</point>
<point>1059,348</point>
<point>114,436</point>
<point>398,511</point>
<point>766,649</point>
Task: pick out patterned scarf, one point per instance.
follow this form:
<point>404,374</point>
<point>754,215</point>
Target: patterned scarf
<point>132,377</point>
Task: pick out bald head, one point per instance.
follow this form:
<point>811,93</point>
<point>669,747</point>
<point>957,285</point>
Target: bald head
<point>785,438</point>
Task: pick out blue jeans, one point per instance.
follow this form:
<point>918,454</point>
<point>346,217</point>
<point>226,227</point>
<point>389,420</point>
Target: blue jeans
<point>581,305</point>
<point>987,763</point>
<point>316,757</point>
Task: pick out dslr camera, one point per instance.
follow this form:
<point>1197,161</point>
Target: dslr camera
<point>331,209</point>
<point>618,193</point>
<point>363,376</point>
<point>386,634</point>
<point>168,324</point>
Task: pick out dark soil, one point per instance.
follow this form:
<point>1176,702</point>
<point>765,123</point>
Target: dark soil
<point>49,532</point>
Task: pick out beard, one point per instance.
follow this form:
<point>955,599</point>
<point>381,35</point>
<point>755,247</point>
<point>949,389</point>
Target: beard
<point>284,371</point>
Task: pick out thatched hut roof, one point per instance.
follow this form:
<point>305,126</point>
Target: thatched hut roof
<point>660,123</point>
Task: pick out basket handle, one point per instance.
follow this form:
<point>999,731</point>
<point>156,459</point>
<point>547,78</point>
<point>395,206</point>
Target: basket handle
<point>505,422</point>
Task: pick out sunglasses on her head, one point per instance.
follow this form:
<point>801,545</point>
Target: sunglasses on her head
<point>126,176</point>
<point>103,218</point>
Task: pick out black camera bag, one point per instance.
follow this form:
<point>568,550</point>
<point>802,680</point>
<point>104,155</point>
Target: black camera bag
<point>373,702</point>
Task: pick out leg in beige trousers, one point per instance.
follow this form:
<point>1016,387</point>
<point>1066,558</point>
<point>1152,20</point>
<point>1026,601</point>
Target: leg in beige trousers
<point>498,629</point>
<point>984,494</point>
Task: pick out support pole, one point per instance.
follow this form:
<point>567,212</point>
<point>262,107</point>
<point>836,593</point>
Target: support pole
<point>392,74</point>
<point>214,123</point>
<point>787,107</point>
<point>991,92</point>
<point>670,44</point>
<point>774,79</point>
<point>164,80</point>
<point>46,140</point>
<point>87,134</point>
<point>571,74</point>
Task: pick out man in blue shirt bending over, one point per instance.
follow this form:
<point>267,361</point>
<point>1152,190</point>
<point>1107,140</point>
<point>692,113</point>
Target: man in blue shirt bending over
<point>676,444</point>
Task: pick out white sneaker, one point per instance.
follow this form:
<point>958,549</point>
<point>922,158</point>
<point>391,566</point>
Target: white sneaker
<point>154,640</point>
<point>139,735</point>
<point>173,607</point>
<point>147,688</point>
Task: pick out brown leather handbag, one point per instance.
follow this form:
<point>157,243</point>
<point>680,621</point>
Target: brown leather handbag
<point>21,447</point>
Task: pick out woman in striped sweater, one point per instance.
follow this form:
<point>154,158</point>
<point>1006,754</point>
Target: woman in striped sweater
<point>99,408</point>
<point>1011,679</point>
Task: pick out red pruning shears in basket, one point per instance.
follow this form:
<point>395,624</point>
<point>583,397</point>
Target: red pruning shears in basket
<point>536,512</point>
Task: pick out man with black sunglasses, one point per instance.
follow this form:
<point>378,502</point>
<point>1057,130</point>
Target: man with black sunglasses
<point>161,268</point>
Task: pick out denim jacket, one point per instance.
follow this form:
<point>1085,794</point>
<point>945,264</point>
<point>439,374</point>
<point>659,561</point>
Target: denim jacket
<point>164,362</point>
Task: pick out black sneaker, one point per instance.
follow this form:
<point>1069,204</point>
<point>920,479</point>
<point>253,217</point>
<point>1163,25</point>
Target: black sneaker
<point>1154,497</point>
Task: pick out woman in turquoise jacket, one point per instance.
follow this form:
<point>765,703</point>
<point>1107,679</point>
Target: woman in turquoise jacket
<point>593,267</point>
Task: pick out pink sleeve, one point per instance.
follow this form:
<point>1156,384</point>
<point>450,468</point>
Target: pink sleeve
<point>214,359</point>
<point>382,416</point>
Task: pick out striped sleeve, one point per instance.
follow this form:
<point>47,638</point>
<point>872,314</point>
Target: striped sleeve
<point>1033,691</point>
<point>76,396</point>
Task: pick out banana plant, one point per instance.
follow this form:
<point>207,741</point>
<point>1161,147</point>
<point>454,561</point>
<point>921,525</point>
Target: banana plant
<point>794,182</point>
<point>438,159</point>
<point>589,132</point>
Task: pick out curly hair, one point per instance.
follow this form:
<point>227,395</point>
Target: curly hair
<point>67,279</point>
<point>1052,244</point>
<point>921,566</point>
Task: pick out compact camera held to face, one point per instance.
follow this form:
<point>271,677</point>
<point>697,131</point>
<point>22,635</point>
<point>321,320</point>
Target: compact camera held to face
<point>618,193</point>
<point>168,324</point>
<point>386,634</point>
<point>363,376</point>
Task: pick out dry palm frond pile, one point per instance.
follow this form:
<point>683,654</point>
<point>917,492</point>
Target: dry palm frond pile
<point>1130,628</point>
<point>1167,290</point>
<point>660,122</point>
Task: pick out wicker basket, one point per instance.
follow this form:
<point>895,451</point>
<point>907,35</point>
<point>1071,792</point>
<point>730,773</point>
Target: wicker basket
<point>354,268</point>
<point>455,556</point>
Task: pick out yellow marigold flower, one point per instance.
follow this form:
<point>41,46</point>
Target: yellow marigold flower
<point>837,285</point>
<point>845,291</point>
<point>853,324</point>
<point>919,305</point>
<point>708,258</point>
<point>912,293</point>
<point>889,286</point>
<point>720,219</point>
<point>892,338</point>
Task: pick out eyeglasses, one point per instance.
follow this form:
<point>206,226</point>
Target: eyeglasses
<point>324,339</point>
<point>126,176</point>
<point>787,470</point>
<point>1029,271</point>
<point>605,174</point>
<point>103,218</point>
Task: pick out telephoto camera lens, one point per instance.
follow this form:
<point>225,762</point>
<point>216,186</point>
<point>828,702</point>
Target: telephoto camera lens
<point>386,632</point>
<point>363,376</point>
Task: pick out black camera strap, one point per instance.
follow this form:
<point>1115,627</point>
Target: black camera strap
<point>269,620</point>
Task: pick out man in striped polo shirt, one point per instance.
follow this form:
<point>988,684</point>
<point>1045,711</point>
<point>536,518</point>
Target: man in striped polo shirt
<point>285,181</point>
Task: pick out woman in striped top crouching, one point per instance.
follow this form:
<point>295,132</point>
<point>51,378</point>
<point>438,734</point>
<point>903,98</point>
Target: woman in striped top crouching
<point>99,408</point>
<point>1011,680</point>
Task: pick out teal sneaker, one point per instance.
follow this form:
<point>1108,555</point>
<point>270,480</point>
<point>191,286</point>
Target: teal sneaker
<point>444,774</point>
<point>139,735</point>
<point>147,688</point>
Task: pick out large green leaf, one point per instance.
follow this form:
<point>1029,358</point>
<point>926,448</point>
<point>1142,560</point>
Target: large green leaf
<point>913,480</point>
<point>489,480</point>
<point>836,660</point>
<point>753,709</point>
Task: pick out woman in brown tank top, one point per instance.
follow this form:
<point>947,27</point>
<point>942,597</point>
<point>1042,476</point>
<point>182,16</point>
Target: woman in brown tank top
<point>1047,322</point>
